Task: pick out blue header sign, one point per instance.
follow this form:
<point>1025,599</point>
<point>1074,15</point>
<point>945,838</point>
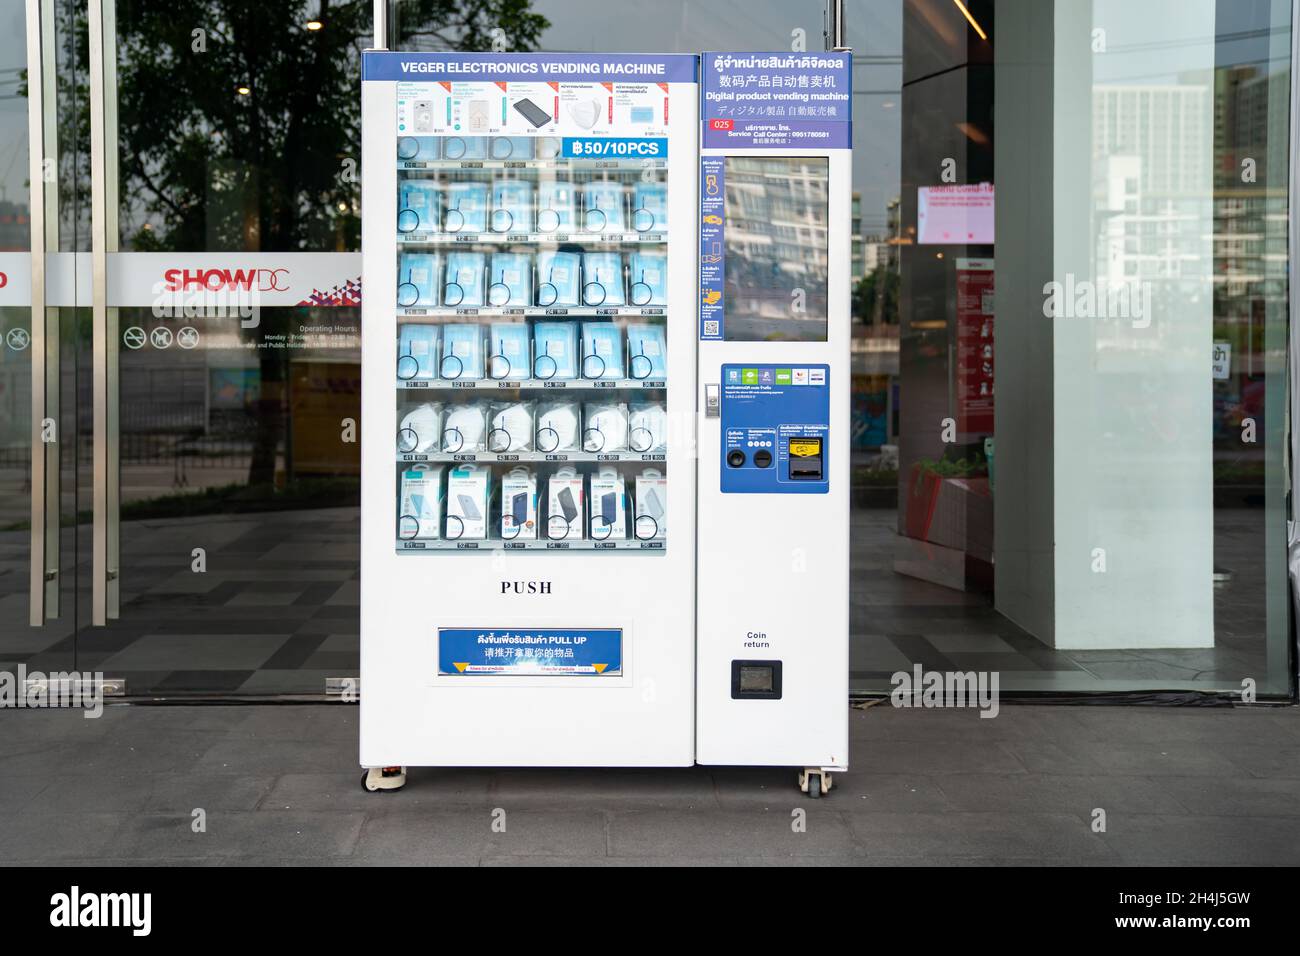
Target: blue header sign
<point>533,67</point>
<point>530,652</point>
<point>777,100</point>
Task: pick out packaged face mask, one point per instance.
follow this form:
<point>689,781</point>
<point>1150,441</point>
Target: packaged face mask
<point>418,148</point>
<point>650,207</point>
<point>548,147</point>
<point>417,351</point>
<point>510,281</point>
<point>557,427</point>
<point>417,280</point>
<point>464,147</point>
<point>607,506</point>
<point>602,279</point>
<point>647,427</point>
<point>510,147</point>
<point>602,350</point>
<point>558,279</point>
<point>519,505</point>
<point>646,356</point>
<point>464,428</point>
<point>420,503</point>
<point>419,205</point>
<point>555,207</point>
<point>508,356</point>
<point>421,430</point>
<point>564,509</point>
<point>602,207</point>
<point>469,489</point>
<point>604,427</point>
<point>462,352</point>
<point>510,427</point>
<point>650,518</point>
<point>649,279</point>
<point>465,208</point>
<point>555,346</point>
<point>512,206</point>
<point>462,286</point>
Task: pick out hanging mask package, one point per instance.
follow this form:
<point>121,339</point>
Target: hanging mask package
<point>549,147</point>
<point>462,352</point>
<point>555,345</point>
<point>510,147</point>
<point>418,149</point>
<point>508,352</point>
<point>469,488</point>
<point>604,427</point>
<point>417,280</point>
<point>649,286</point>
<point>420,503</point>
<point>564,505</point>
<point>602,207</point>
<point>647,427</point>
<point>557,427</point>
<point>463,286</point>
<point>602,350</point>
<point>607,505</point>
<point>512,206</point>
<point>464,147</point>
<point>466,208</point>
<point>555,207</point>
<point>510,427</point>
<point>646,356</point>
<point>558,279</point>
<point>650,207</point>
<point>602,279</point>
<point>464,429</point>
<point>417,352</point>
<point>419,206</point>
<point>651,507</point>
<point>510,281</point>
<point>519,505</point>
<point>421,430</point>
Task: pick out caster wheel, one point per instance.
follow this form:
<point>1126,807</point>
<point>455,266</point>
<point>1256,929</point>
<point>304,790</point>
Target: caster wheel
<point>383,779</point>
<point>811,783</point>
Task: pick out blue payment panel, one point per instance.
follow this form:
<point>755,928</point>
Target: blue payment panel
<point>775,420</point>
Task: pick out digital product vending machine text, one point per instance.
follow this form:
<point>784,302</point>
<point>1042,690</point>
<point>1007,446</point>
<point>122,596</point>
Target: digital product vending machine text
<point>547,416</point>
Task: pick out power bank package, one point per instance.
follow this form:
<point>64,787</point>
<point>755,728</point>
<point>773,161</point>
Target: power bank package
<point>519,505</point>
<point>469,489</point>
<point>651,506</point>
<point>564,509</point>
<point>607,505</point>
<point>420,503</point>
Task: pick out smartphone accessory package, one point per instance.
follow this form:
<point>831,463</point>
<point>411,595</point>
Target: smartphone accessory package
<point>647,427</point>
<point>469,488</point>
<point>555,345</point>
<point>462,352</point>
<point>557,427</point>
<point>602,279</point>
<point>512,206</point>
<point>508,353</point>
<point>602,207</point>
<point>418,351</point>
<point>650,207</point>
<point>510,280</point>
<point>421,430</point>
<point>647,356</point>
<point>602,350</point>
<point>466,208</point>
<point>555,207</point>
<point>649,279</point>
<point>564,508</point>
<point>559,279</point>
<point>519,505</point>
<point>604,427</point>
<point>417,280</point>
<point>650,520</point>
<point>510,427</point>
<point>463,285</point>
<point>420,503</point>
<point>607,506</point>
<point>419,206</point>
<point>464,429</point>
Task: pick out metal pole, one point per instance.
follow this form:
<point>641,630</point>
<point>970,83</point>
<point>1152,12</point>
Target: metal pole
<point>381,25</point>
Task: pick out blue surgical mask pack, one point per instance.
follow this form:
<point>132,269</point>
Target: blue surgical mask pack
<point>417,352</point>
<point>602,279</point>
<point>602,350</point>
<point>554,348</point>
<point>464,147</point>
<point>650,207</point>
<point>462,288</point>
<point>648,279</point>
<point>412,149</point>
<point>462,352</point>
<point>646,356</point>
<point>555,207</point>
<point>510,147</point>
<point>419,206</point>
<point>510,281</point>
<point>466,208</point>
<point>508,356</point>
<point>417,280</point>
<point>602,207</point>
<point>512,206</point>
<point>558,279</point>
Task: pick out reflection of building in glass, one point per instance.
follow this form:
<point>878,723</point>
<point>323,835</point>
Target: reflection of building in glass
<point>776,251</point>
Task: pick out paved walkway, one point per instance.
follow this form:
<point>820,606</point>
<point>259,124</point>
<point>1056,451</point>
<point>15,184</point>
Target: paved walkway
<point>279,784</point>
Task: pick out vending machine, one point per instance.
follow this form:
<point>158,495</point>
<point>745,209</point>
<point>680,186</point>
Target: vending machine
<point>531,480</point>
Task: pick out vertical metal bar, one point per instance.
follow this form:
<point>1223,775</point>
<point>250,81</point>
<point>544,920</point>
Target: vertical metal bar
<point>109,168</point>
<point>42,148</point>
<point>1293,349</point>
<point>381,25</point>
<point>835,25</point>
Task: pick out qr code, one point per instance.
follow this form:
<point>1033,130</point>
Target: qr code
<point>710,326</point>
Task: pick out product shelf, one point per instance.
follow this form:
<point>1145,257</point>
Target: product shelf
<point>543,544</point>
<point>530,384</point>
<point>535,311</point>
<point>419,239</point>
<point>533,457</point>
<point>636,165</point>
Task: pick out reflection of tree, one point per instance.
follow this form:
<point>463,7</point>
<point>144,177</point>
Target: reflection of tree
<point>208,166</point>
<point>875,299</point>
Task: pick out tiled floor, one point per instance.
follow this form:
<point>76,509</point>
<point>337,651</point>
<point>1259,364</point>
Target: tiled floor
<point>279,784</point>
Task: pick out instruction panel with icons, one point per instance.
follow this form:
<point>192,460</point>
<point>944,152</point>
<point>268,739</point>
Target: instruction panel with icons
<point>775,420</point>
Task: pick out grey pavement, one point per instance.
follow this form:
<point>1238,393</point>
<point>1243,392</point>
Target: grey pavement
<point>280,785</point>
